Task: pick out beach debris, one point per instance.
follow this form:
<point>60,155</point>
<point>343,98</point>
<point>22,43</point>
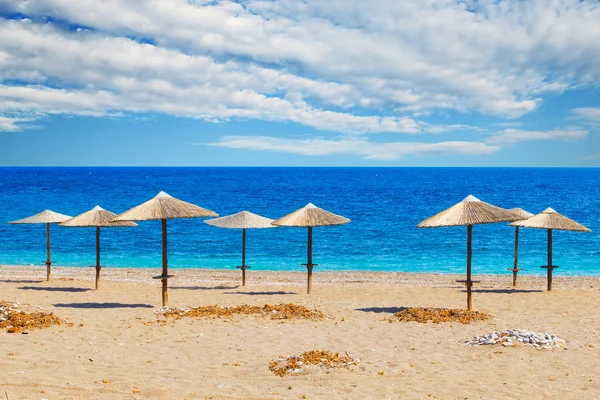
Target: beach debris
<point>323,359</point>
<point>514,337</point>
<point>437,315</point>
<point>276,312</point>
<point>15,318</point>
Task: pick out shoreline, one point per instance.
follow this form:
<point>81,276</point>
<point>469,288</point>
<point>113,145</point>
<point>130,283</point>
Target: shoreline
<point>187,276</point>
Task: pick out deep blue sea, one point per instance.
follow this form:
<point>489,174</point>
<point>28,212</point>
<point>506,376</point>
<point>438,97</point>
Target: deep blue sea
<point>384,205</point>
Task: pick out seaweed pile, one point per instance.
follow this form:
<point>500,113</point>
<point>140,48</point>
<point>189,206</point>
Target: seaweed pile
<point>14,318</point>
<point>321,358</point>
<point>276,312</point>
<point>437,315</point>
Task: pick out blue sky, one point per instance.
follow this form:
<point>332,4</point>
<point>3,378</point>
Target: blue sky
<point>342,82</point>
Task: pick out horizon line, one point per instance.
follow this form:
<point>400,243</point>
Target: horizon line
<point>299,166</point>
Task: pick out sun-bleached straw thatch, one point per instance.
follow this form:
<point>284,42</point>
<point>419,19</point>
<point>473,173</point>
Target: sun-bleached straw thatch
<point>94,218</point>
<point>47,217</point>
<point>97,218</point>
<point>522,215</point>
<point>163,206</point>
<point>470,211</point>
<point>311,215</point>
<point>241,220</point>
<point>550,219</point>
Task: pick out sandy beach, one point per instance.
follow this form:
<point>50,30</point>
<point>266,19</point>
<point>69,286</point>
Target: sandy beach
<point>115,349</point>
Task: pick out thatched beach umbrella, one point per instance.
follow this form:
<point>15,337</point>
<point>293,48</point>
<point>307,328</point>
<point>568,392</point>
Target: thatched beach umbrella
<point>551,220</point>
<point>309,216</point>
<point>523,215</point>
<point>242,220</point>
<point>97,218</point>
<point>471,211</point>
<point>47,217</point>
<point>163,207</point>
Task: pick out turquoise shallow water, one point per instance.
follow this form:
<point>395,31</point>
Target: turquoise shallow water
<point>384,204</point>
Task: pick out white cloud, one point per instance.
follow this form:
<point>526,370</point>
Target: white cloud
<point>394,150</point>
<point>553,87</point>
<point>591,158</point>
<point>511,136</point>
<point>14,124</point>
<point>588,114</point>
<point>360,147</point>
<point>162,97</point>
<point>487,57</point>
<point>352,67</point>
<point>448,128</point>
<point>510,124</point>
<point>115,74</point>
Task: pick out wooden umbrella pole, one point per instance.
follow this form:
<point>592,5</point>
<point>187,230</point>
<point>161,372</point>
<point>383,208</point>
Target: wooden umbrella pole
<point>97,256</point>
<point>309,264</point>
<point>469,255</point>
<point>549,271</point>
<point>165,267</point>
<point>516,256</point>
<point>243,257</point>
<point>48,260</point>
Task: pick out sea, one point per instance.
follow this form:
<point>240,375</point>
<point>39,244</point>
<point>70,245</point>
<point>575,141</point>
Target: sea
<point>384,204</point>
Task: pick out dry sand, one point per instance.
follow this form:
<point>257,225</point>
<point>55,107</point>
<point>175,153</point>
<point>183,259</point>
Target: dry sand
<point>117,354</point>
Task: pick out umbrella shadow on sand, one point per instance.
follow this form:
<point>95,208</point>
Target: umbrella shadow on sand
<point>102,305</point>
<point>219,287</point>
<point>20,281</point>
<point>505,291</point>
<point>379,310</point>
<point>55,289</point>
<point>261,293</point>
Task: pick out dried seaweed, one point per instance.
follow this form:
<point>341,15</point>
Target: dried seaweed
<point>437,315</point>
<point>14,319</point>
<point>320,358</point>
<point>276,312</point>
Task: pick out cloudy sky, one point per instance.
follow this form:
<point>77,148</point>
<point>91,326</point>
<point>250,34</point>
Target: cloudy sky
<point>300,82</point>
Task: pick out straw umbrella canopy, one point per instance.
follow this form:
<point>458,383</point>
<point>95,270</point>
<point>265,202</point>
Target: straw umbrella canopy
<point>309,216</point>
<point>522,215</point>
<point>551,220</point>
<point>242,220</point>
<point>163,207</point>
<point>47,217</point>
<point>97,218</point>
<point>471,211</point>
